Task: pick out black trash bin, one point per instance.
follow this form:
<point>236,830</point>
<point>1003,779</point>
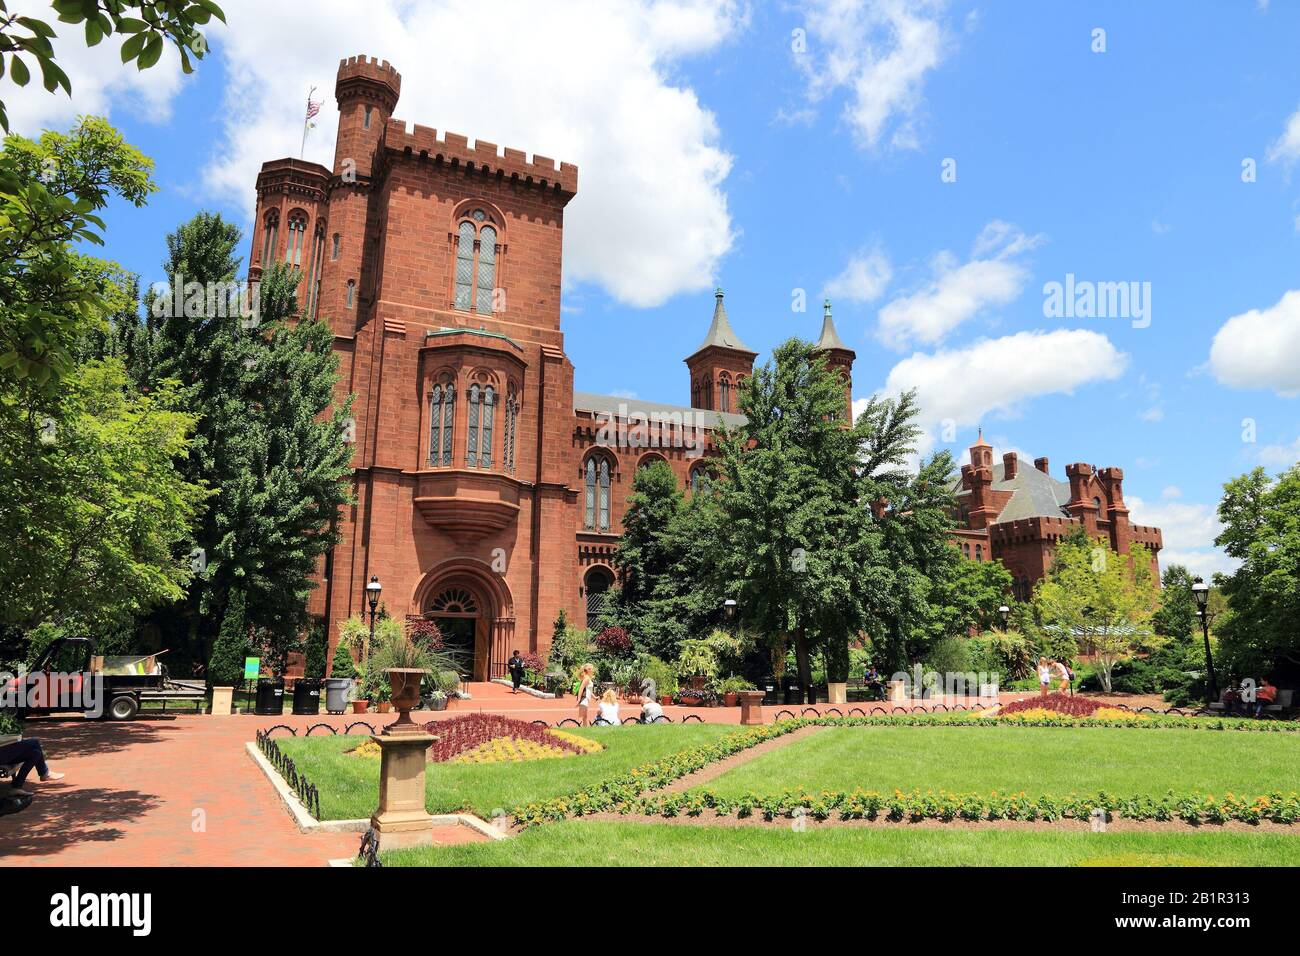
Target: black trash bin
<point>306,696</point>
<point>771,688</point>
<point>793,691</point>
<point>270,697</point>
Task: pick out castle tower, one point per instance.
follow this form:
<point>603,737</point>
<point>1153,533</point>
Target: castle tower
<point>978,477</point>
<point>839,357</point>
<point>720,364</point>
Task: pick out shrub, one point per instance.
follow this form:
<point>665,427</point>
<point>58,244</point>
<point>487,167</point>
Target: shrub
<point>343,665</point>
<point>614,642</point>
<point>317,649</point>
<point>697,659</point>
<point>424,631</point>
<point>226,663</point>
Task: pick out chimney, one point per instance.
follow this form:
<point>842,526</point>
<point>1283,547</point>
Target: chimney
<point>1009,465</point>
<point>1041,465</point>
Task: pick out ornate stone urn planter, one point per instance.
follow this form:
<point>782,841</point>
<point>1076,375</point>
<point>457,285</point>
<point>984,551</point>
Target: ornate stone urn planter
<point>405,685</point>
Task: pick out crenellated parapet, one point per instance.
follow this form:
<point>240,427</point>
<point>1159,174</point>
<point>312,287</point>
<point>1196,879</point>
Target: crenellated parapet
<point>454,150</point>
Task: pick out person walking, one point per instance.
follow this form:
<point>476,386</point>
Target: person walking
<point>516,667</point>
<point>1067,677</point>
<point>586,684</point>
<point>1044,676</point>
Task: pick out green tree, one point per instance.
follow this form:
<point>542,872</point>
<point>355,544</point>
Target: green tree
<point>1103,599</point>
<point>267,439</point>
<point>1261,529</point>
<point>1176,617</point>
<point>794,550</point>
<point>93,514</point>
<point>226,663</point>
<point>51,190</point>
<point>147,25</point>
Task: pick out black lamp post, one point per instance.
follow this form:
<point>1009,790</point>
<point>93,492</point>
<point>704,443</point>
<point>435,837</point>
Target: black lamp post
<point>1201,591</point>
<point>373,590</point>
<point>1004,612</point>
<point>729,608</point>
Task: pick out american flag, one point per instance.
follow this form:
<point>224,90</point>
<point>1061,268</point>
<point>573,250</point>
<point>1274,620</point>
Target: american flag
<point>313,107</point>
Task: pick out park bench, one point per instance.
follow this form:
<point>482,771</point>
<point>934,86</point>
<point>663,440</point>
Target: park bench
<point>1285,697</point>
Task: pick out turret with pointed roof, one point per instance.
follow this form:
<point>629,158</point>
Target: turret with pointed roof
<point>838,355</point>
<point>720,364</point>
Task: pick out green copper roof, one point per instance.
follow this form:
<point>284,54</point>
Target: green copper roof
<point>830,338</point>
<point>483,332</point>
<point>721,333</point>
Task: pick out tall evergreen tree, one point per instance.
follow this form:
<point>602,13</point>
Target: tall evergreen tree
<point>263,387</point>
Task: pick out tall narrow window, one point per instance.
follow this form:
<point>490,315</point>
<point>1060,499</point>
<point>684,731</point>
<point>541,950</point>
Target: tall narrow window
<point>297,237</point>
<point>270,228</point>
<point>366,123</point>
<point>724,394</point>
<point>334,246</point>
<point>471,441</point>
<point>487,268</point>
<point>351,293</point>
<point>448,420</point>
<point>465,266</point>
<point>509,428</point>
<point>477,256</point>
<point>485,443</point>
<point>596,517</point>
<point>436,400</point>
<point>313,280</point>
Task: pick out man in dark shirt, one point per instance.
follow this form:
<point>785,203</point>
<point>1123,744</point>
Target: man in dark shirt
<point>516,668</point>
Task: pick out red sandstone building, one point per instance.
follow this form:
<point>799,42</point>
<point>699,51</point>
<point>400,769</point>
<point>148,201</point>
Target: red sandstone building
<point>489,494</point>
<point>1016,513</point>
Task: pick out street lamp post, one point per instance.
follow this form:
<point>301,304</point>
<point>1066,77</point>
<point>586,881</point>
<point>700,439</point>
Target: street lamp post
<point>373,590</point>
<point>1201,591</point>
<point>1004,612</point>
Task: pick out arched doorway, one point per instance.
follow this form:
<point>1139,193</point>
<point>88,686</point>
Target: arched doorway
<point>473,610</point>
<point>596,585</point>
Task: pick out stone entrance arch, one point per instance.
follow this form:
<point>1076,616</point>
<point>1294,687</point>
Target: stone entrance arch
<point>474,608</point>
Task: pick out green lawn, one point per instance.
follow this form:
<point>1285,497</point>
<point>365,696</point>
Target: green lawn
<point>349,786</point>
<point>585,843</point>
<point>1035,759</point>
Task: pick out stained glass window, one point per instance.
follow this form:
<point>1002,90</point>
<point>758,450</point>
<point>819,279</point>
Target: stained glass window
<point>489,400</point>
<point>471,442</point>
<point>448,419</point>
<point>487,268</point>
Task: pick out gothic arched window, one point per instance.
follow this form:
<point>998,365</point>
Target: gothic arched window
<point>297,239</point>
<point>442,417</point>
<point>334,246</point>
<point>596,517</point>
<point>351,293</point>
<point>270,228</point>
<point>476,263</point>
<point>724,394</point>
<point>509,429</point>
<point>699,479</point>
<point>313,279</point>
<point>478,441</point>
<point>485,444</point>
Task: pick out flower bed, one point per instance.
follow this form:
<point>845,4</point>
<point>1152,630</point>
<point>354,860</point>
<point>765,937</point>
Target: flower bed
<point>1060,703</point>
<point>470,731</point>
<point>917,805</point>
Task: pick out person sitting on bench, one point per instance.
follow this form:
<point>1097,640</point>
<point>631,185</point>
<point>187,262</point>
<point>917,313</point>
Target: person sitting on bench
<point>1265,695</point>
<point>26,754</point>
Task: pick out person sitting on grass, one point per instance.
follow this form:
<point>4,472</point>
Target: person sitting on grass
<point>608,709</point>
<point>651,711</point>
<point>26,754</point>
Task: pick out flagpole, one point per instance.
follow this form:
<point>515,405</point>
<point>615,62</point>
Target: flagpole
<point>302,153</point>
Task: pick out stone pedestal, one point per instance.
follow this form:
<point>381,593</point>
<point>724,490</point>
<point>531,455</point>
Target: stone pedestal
<point>751,707</point>
<point>897,691</point>
<point>837,692</point>
<point>222,697</point>
<point>401,819</point>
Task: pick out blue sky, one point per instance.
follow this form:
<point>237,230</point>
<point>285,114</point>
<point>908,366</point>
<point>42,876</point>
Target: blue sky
<point>771,148</point>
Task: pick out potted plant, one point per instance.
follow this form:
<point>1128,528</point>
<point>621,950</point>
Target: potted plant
<point>403,657</point>
<point>697,662</point>
<point>437,700</point>
<point>731,688</point>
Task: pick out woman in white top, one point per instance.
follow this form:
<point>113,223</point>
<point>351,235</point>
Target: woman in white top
<point>1044,676</point>
<point>608,709</point>
<point>1063,673</point>
<point>586,682</point>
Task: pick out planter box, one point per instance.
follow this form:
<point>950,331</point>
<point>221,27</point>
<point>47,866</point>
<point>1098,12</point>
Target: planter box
<point>221,701</point>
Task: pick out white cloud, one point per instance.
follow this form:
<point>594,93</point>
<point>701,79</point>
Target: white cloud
<point>100,82</point>
<point>1279,456</point>
<point>880,52</point>
<point>996,377</point>
<point>1287,146</point>
<point>958,292</point>
<point>1188,532</point>
<point>590,84</point>
<point>1170,492</point>
<point>864,277</point>
<point>1261,348</point>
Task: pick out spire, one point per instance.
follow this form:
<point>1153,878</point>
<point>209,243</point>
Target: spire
<point>720,331</point>
<point>980,440</point>
<point>830,338</point>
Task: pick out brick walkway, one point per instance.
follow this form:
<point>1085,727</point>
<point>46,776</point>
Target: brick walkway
<point>133,789</point>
